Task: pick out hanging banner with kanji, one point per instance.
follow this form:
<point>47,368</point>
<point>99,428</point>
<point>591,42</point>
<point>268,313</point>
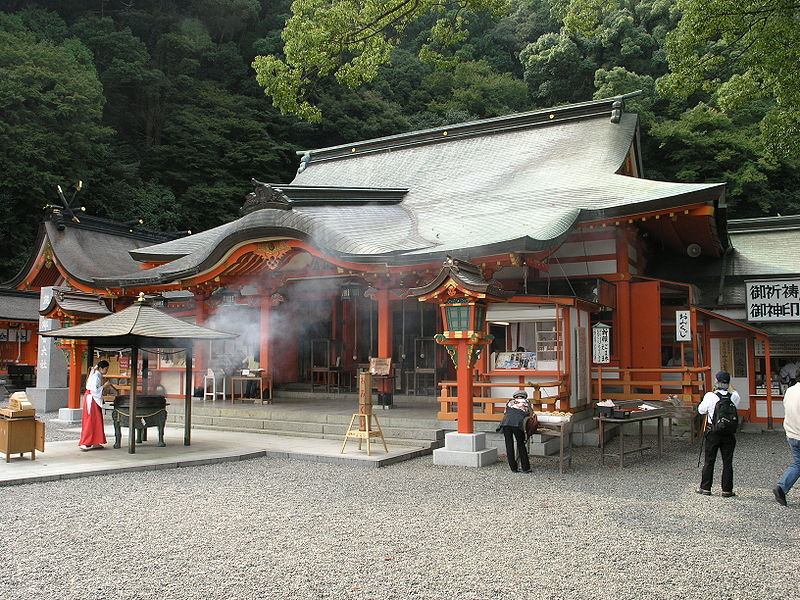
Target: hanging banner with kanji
<point>683,326</point>
<point>773,300</point>
<point>601,344</point>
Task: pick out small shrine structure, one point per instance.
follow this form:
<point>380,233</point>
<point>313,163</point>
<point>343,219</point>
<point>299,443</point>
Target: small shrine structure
<point>141,327</point>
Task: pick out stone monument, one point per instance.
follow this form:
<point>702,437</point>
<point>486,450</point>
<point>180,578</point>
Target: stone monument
<point>51,392</point>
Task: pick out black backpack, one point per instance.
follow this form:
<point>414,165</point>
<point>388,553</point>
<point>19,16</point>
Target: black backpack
<point>726,419</point>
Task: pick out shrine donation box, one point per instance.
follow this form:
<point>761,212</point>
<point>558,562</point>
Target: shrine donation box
<point>20,431</point>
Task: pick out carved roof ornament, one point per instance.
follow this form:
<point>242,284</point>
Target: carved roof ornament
<point>272,252</point>
<point>617,108</point>
<point>459,277</point>
<point>304,160</point>
<point>264,195</point>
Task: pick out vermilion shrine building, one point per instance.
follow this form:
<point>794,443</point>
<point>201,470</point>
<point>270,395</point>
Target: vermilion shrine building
<point>549,205</point>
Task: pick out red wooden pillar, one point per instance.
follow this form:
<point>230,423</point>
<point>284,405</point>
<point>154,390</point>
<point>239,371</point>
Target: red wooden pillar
<point>624,332</point>
<point>201,357</point>
<point>75,372</point>
<point>264,332</point>
<point>464,379</point>
<point>384,332</point>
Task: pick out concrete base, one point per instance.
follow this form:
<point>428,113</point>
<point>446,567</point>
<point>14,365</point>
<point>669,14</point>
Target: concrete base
<point>69,415</point>
<point>48,399</point>
<point>465,450</point>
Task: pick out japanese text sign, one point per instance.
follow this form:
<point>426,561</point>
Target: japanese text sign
<point>773,300</point>
<point>683,326</point>
<point>601,344</point>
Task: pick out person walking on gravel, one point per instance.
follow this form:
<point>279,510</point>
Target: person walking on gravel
<point>791,425</point>
<point>719,437</point>
<point>512,427</point>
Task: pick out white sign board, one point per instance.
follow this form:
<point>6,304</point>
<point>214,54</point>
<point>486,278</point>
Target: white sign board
<point>683,326</point>
<point>773,300</point>
<point>601,344</point>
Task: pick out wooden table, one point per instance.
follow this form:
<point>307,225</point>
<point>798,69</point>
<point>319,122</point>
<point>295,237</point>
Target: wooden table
<point>639,418</point>
<point>329,377</point>
<point>563,431</point>
<point>244,379</point>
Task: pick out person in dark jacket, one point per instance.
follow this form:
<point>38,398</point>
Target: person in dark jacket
<point>513,428</point>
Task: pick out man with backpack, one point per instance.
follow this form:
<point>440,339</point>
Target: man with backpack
<point>722,420</point>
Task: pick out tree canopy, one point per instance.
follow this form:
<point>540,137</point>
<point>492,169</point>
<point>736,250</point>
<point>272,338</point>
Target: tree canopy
<point>351,40</point>
<point>156,105</point>
<point>741,50</point>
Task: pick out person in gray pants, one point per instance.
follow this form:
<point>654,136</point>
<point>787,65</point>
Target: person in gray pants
<point>791,425</point>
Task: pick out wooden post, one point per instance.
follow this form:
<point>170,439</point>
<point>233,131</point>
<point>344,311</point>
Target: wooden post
<point>464,378</point>
<point>599,383</point>
<point>384,334</point>
<point>768,366</point>
<point>132,407</point>
<point>200,317</point>
<point>75,374</point>
<point>263,335</point>
<point>364,431</point>
<point>187,401</point>
<point>364,393</point>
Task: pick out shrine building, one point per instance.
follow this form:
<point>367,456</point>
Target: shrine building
<point>617,286</point>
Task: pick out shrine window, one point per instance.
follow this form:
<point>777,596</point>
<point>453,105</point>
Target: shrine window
<point>783,352</point>
<point>527,345</point>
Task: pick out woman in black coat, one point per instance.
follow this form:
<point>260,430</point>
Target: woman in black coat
<point>512,426</point>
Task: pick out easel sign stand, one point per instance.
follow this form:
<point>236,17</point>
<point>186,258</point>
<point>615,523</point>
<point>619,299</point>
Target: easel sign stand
<point>364,430</point>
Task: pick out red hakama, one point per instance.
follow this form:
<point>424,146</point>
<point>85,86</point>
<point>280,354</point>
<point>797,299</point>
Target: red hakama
<point>92,432</point>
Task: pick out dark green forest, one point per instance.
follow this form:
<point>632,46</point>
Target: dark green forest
<point>154,106</point>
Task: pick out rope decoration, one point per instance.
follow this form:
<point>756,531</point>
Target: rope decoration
<point>124,414</point>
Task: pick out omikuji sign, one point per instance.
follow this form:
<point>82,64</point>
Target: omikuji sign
<point>683,326</point>
<point>773,300</point>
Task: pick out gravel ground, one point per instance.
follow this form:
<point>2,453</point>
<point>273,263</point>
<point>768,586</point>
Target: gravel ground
<point>284,529</point>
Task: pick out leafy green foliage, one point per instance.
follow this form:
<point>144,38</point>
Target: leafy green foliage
<point>706,144</point>
<point>50,128</point>
<point>351,40</point>
<point>155,106</point>
<point>741,50</point>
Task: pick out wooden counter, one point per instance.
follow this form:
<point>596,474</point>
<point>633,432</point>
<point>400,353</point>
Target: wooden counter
<point>21,435</point>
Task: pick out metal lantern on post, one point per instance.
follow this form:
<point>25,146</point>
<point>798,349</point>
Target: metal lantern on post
<point>462,294</point>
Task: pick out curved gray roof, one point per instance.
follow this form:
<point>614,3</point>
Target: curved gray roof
<point>516,183</point>
<point>90,248</point>
<point>18,305</point>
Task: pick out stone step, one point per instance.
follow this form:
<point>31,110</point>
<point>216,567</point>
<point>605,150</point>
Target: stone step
<point>390,441</point>
<point>335,426</point>
<point>278,413</point>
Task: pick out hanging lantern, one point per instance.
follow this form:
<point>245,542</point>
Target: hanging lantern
<point>463,314</point>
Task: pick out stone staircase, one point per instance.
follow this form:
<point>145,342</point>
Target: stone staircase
<point>397,431</point>
<point>420,431</point>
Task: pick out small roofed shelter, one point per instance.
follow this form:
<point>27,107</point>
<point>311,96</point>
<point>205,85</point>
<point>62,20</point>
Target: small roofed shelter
<point>72,307</point>
<point>142,326</point>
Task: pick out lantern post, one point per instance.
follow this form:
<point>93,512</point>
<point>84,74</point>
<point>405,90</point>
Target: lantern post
<point>463,295</point>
